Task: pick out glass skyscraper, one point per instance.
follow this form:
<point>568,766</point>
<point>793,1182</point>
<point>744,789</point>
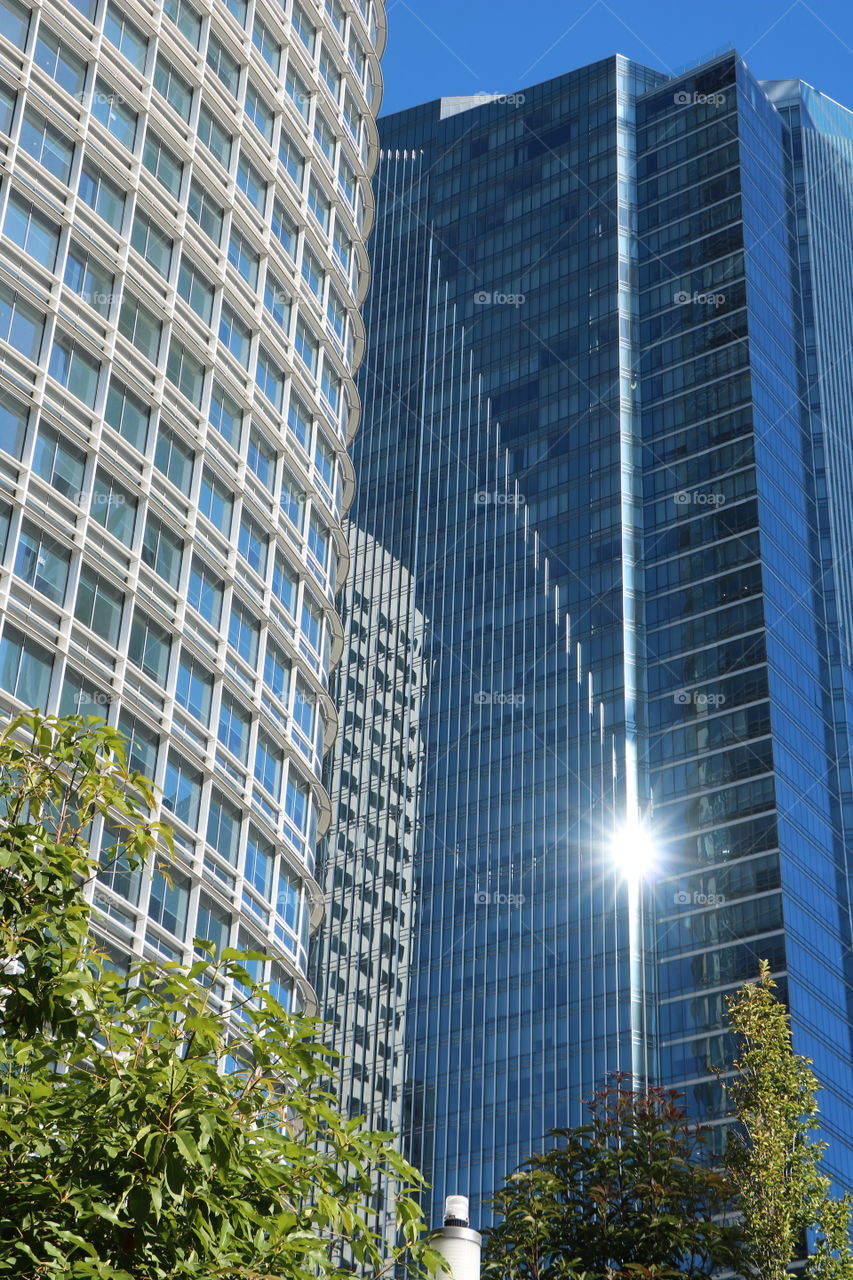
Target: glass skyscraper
<point>184,197</point>
<point>606,449</point>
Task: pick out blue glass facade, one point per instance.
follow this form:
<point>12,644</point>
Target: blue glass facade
<point>591,456</point>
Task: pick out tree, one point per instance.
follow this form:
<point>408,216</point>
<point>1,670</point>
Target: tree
<point>628,1194</point>
<point>127,1152</point>
<point>770,1156</point>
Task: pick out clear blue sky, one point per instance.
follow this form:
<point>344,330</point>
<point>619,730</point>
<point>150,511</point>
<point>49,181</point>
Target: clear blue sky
<point>439,48</point>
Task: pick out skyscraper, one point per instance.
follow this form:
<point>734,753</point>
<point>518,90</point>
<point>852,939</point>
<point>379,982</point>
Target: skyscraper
<point>185,195</point>
<point>605,438</point>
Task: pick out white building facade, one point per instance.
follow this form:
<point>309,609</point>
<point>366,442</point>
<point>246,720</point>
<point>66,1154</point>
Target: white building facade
<point>184,199</point>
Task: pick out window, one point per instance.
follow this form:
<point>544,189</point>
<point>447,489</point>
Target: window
<point>99,605</point>
<point>312,624</point>
<point>79,697</point>
<point>292,499</point>
<point>174,88</point>
<point>75,370</point>
<point>185,18</point>
<point>268,764</point>
<point>206,212</point>
<point>347,181</point>
<point>14,22</point>
<point>284,229</point>
<point>194,689</point>
<point>102,195</point>
<point>226,68</point>
<point>259,112</point>
<point>113,507</point>
<point>299,420</point>
<point>223,827</point>
<point>243,256</point>
<point>205,591</point>
<point>298,92</point>
<point>149,647</point>
<point>297,805</point>
<point>225,415</point>
<point>143,745</point>
<point>277,672</point>
<point>127,38</point>
<point>217,140</point>
<point>114,114</point>
<point>290,155</point>
<point>270,378</point>
<point>337,315</point>
<point>330,73</point>
<point>284,584</point>
<point>305,709</point>
<point>336,13</point>
<point>215,501</point>
<point>86,7</point>
<point>268,46</point>
<point>127,414</point>
<point>59,62</point>
<point>252,184</point>
<point>58,462</point>
<point>162,550</point>
<point>175,459</point>
<point>89,279</point>
<point>260,861</point>
<point>244,633</point>
<point>306,346</point>
<point>182,789</point>
<point>7,108</point>
<point>239,9</point>
<point>163,163</point>
<point>234,728</point>
<point>306,30</point>
<point>331,386</point>
<point>319,205</point>
<point>42,562</point>
<point>253,544</point>
<point>324,461</point>
<point>186,372</point>
<point>235,335</point>
<point>151,243</point>
<point>140,326</point>
<point>277,301</point>
<point>325,135</point>
<point>195,289</point>
<point>46,145</point>
<point>289,899</point>
<point>169,901</point>
<point>261,458</point>
<point>343,249</point>
<point>25,669</point>
<point>312,273</point>
<point>13,426</point>
<point>212,924</point>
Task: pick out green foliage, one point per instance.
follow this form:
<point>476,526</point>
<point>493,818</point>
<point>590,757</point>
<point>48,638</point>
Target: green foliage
<point>626,1196</point>
<point>771,1158</point>
<point>127,1152</point>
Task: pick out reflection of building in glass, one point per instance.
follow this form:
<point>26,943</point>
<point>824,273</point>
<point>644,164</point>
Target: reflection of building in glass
<point>183,207</point>
<point>366,871</point>
<point>606,266</point>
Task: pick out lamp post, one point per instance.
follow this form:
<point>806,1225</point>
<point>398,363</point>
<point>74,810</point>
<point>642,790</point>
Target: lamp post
<point>457,1243</point>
